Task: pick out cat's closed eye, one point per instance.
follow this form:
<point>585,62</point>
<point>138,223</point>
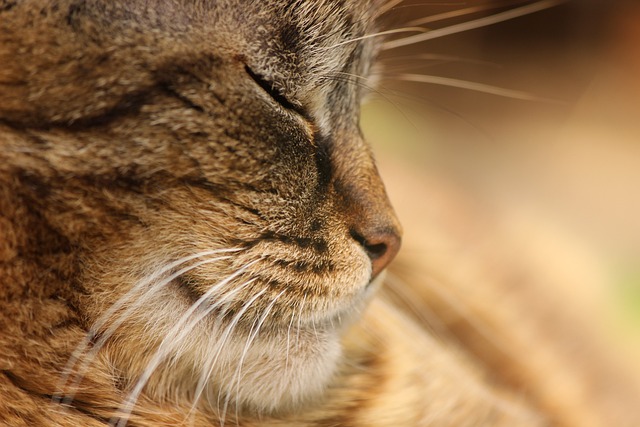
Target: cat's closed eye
<point>274,92</point>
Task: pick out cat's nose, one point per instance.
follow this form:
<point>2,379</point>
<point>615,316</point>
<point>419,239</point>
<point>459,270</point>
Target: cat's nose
<point>381,243</point>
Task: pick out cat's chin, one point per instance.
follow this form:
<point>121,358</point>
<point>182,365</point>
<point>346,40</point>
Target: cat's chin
<point>275,373</point>
<point>282,369</point>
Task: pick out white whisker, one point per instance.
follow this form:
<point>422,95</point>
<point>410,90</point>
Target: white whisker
<point>206,374</point>
<point>440,58</point>
<point>461,12</point>
<point>379,34</point>
<point>228,331</point>
<point>104,318</point>
<point>250,339</point>
<point>173,338</point>
<point>353,76</point>
<point>315,330</point>
<point>384,95</point>
<point>286,364</point>
<point>387,7</point>
<point>474,86</point>
<point>474,24</point>
<point>304,299</point>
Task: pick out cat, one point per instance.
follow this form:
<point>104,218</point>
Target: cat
<point>193,230</point>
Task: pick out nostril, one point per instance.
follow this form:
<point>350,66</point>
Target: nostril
<point>358,237</point>
<point>381,246</point>
<point>375,251</point>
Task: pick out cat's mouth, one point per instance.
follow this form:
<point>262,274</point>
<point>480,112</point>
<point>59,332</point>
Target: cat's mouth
<point>256,282</point>
<point>275,340</point>
<point>240,313</point>
<point>279,308</point>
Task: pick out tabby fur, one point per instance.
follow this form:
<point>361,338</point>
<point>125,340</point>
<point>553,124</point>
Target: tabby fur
<point>223,134</point>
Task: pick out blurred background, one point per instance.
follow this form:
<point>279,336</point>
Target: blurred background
<point>516,157</point>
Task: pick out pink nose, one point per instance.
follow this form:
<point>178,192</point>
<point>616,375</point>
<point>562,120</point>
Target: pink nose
<point>381,244</point>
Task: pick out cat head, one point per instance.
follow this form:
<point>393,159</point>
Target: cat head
<point>204,158</point>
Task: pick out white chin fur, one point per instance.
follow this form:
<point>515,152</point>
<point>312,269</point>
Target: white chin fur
<point>273,378</point>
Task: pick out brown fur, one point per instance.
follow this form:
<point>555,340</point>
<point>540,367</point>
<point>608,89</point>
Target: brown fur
<point>133,135</point>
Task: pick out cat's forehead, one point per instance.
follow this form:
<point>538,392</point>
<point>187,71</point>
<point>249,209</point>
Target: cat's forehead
<point>311,17</point>
<point>302,44</point>
<point>306,38</point>
<point>316,37</point>
<point>303,48</point>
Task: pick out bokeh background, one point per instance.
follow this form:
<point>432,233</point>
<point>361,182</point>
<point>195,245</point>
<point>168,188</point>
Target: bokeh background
<point>494,189</point>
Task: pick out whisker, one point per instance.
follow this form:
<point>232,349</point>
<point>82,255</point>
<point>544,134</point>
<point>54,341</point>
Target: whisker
<point>89,357</point>
<point>437,57</point>
<point>474,24</point>
<point>382,92</point>
<point>304,299</point>
<point>103,319</point>
<point>173,338</point>
<point>251,338</point>
<point>221,342</point>
<point>228,331</point>
<point>462,12</point>
<point>405,100</point>
<point>357,80</point>
<point>390,96</point>
<point>286,363</point>
<point>393,4</point>
<point>476,87</point>
<point>387,7</point>
<point>220,345</point>
<point>378,34</point>
<point>315,330</point>
<point>351,78</point>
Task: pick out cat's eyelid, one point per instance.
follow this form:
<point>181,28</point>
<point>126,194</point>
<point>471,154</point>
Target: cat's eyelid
<point>275,93</point>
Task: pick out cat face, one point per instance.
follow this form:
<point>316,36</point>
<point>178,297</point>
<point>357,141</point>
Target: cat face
<point>206,158</point>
